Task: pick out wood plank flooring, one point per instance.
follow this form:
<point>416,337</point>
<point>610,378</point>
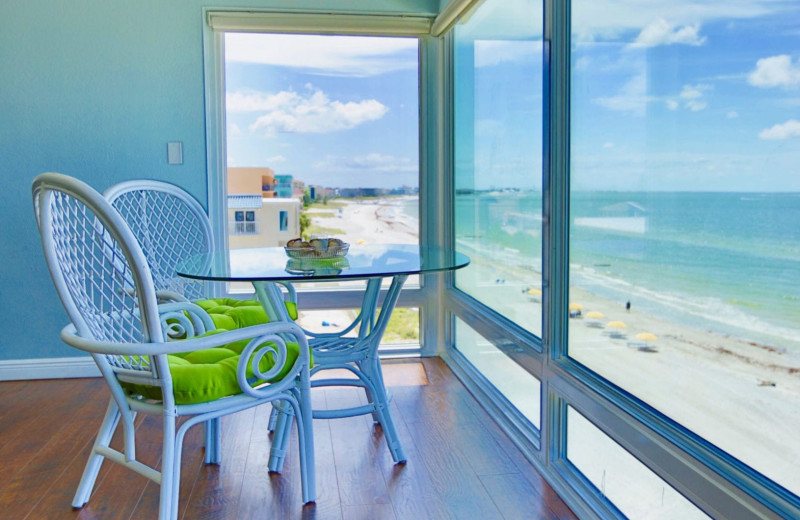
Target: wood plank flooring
<point>460,464</point>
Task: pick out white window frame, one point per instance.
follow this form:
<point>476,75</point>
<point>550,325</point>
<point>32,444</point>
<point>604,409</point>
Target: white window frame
<point>216,22</point>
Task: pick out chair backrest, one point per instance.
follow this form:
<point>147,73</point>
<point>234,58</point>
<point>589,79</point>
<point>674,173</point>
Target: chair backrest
<point>170,226</point>
<point>99,270</point>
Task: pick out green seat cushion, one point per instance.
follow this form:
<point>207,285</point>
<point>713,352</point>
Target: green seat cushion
<point>209,374</point>
<point>230,314</point>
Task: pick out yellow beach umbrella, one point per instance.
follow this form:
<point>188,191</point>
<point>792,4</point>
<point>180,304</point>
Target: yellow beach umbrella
<point>616,325</point>
<point>646,336</point>
<point>594,315</point>
<point>575,307</point>
<point>534,292</point>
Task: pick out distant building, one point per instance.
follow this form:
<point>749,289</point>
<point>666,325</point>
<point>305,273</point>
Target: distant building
<point>255,221</point>
<point>252,180</point>
<point>261,210</point>
<point>298,188</point>
<point>623,217</point>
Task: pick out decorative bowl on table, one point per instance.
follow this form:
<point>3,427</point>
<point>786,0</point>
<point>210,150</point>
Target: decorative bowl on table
<point>316,248</point>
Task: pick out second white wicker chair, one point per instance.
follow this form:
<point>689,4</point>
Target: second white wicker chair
<point>103,279</point>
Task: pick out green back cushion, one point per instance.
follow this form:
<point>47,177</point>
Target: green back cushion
<point>205,375</point>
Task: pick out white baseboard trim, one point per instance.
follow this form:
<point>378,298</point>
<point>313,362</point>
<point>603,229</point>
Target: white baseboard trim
<point>48,368</point>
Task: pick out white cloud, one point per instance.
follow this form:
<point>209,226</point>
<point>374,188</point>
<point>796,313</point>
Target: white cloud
<point>693,96</point>
<point>661,32</point>
<point>695,105</point>
<point>373,162</point>
<point>316,113</point>
<point>357,56</point>
<point>258,101</point>
<point>608,145</point>
<point>274,159</point>
<point>733,114</point>
<point>787,130</point>
<point>775,71</point>
<point>631,98</point>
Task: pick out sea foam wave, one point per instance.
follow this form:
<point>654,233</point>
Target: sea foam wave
<point>702,312</point>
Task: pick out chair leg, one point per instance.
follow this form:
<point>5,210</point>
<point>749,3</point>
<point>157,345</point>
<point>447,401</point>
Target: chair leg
<point>370,398</point>
<point>169,483</point>
<point>305,434</point>
<point>213,441</point>
<point>103,439</point>
<point>283,427</point>
<point>372,370</point>
<point>273,416</point>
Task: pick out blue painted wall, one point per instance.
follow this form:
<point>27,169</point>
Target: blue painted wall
<point>96,89</point>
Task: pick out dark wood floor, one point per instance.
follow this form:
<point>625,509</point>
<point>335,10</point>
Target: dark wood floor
<point>460,465</point>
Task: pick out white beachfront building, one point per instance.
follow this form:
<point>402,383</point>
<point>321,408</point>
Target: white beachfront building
<point>256,221</point>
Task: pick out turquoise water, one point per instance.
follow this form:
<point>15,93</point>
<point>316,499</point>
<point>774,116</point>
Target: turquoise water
<point>728,262</point>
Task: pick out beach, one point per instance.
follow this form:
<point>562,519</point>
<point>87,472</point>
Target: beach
<point>741,395</point>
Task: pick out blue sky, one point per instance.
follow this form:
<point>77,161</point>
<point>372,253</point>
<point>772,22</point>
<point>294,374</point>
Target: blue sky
<point>701,96</point>
<point>334,111</point>
<point>666,95</point>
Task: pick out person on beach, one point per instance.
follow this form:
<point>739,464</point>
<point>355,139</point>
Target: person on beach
<point>628,306</point>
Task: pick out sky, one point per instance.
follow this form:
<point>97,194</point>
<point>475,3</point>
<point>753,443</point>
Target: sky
<point>666,95</point>
<point>699,96</point>
<point>336,111</point>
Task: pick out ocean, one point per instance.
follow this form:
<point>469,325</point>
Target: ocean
<point>727,262</point>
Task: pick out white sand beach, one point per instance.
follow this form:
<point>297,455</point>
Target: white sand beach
<point>371,221</point>
<point>742,396</point>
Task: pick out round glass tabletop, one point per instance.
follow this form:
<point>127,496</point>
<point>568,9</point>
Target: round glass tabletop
<point>362,261</point>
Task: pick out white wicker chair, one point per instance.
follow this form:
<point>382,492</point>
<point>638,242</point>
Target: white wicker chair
<point>104,281</point>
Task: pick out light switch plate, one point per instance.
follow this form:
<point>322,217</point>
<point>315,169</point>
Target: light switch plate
<point>175,152</point>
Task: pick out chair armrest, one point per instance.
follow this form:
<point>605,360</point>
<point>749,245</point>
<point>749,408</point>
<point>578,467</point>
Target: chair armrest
<point>70,336</point>
<point>181,320</point>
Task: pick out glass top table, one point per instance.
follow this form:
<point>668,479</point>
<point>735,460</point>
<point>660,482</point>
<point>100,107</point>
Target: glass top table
<point>362,261</point>
<point>356,347</point>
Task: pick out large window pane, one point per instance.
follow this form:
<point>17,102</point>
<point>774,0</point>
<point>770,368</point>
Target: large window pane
<point>498,161</point>
<point>322,138</point>
<point>685,237</point>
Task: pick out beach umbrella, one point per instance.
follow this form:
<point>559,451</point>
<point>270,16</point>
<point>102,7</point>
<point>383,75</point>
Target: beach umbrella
<point>575,307</point>
<point>646,336</point>
<point>594,315</point>
<point>534,292</point>
<point>616,325</point>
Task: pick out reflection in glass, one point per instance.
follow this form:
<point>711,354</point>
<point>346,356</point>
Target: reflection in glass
<point>685,230</point>
<point>516,384</point>
<point>498,161</point>
<point>627,483</point>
